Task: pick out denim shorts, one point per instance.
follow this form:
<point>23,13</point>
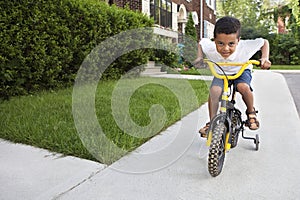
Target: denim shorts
<point>246,77</point>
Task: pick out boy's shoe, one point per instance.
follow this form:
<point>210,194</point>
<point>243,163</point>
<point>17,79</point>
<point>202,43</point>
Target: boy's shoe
<point>203,131</point>
<point>252,123</point>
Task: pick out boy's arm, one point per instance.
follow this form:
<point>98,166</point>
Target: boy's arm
<point>199,60</point>
<point>265,51</point>
<point>200,52</point>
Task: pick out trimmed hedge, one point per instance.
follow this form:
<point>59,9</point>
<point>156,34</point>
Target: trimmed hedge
<point>44,42</point>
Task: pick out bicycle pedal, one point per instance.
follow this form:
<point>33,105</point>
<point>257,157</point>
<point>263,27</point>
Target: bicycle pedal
<point>203,135</point>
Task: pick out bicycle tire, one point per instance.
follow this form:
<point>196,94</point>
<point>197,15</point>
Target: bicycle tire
<point>256,142</point>
<point>237,123</point>
<point>216,154</point>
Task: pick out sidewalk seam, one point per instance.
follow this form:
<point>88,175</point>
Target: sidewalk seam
<point>78,184</point>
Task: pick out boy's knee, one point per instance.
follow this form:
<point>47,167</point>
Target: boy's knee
<point>215,93</point>
<point>243,87</point>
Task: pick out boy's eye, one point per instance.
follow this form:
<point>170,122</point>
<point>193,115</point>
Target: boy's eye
<point>231,44</point>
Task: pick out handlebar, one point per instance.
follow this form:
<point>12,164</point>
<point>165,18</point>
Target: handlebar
<point>230,77</point>
<point>226,77</point>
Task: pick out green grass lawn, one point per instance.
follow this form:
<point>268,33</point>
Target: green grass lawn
<point>285,67</point>
<point>45,120</point>
<point>193,71</point>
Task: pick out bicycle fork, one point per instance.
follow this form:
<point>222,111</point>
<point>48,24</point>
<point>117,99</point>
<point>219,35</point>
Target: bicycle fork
<point>221,118</point>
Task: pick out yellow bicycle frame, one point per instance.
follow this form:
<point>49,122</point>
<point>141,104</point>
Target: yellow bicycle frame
<point>226,78</point>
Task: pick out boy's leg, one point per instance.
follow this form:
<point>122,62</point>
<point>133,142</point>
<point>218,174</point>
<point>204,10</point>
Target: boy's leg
<point>213,102</point>
<point>247,96</point>
<point>214,99</point>
<point>244,88</point>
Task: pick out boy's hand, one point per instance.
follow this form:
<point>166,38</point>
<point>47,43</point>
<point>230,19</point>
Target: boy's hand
<point>198,63</point>
<point>265,63</point>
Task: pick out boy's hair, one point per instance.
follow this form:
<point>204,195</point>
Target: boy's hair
<point>227,25</point>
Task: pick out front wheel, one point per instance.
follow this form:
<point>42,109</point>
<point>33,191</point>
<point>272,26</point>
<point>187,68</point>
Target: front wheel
<point>236,127</point>
<point>216,154</point>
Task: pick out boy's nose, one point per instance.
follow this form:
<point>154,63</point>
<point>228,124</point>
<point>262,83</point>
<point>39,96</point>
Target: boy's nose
<point>226,47</point>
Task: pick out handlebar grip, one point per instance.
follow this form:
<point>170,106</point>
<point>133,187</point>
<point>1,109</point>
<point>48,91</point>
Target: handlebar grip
<point>255,62</point>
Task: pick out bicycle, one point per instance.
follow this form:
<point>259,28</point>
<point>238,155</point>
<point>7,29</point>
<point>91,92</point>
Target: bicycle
<point>225,127</point>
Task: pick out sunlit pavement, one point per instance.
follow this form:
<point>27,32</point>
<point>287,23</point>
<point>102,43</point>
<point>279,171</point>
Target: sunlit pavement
<point>270,173</point>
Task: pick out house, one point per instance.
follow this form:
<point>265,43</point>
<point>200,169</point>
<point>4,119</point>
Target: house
<point>281,29</point>
<point>171,15</point>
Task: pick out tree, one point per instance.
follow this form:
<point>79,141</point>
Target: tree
<point>287,46</point>
<point>190,29</point>
<point>244,10</point>
<point>251,13</point>
<point>259,19</point>
<point>294,4</point>
<point>190,41</point>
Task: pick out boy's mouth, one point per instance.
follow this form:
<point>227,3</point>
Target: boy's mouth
<point>225,54</point>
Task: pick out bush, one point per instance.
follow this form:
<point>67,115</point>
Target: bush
<point>44,42</point>
<point>165,52</point>
<point>284,49</point>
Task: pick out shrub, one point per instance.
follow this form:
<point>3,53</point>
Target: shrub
<point>44,42</point>
<point>284,49</point>
<point>166,54</point>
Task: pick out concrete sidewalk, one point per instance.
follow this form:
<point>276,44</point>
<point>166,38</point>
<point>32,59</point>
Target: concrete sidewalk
<point>173,165</point>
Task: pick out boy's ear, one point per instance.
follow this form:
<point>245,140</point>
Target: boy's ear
<point>239,39</point>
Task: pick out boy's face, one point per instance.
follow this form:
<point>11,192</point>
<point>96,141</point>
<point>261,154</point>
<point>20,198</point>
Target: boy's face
<point>226,43</point>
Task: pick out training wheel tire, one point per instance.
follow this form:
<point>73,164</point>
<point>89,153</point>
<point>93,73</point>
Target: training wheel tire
<point>256,142</point>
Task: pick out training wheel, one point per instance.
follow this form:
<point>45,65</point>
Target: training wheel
<point>256,142</point>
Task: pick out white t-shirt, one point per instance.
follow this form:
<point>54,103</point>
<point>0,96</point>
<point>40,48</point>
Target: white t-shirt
<point>244,51</point>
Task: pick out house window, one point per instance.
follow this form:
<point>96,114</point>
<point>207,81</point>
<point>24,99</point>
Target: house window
<point>208,29</point>
<point>161,11</point>
<point>211,3</point>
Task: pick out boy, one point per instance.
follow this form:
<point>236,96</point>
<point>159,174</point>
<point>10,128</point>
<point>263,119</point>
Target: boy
<point>228,47</point>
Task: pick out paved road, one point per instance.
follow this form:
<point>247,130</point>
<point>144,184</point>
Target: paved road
<point>270,173</point>
<point>293,81</point>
